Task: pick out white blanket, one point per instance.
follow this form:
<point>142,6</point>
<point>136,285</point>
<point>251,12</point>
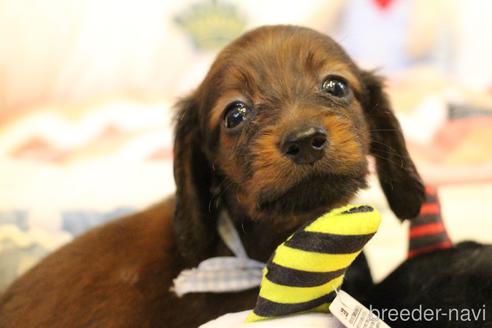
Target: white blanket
<point>309,320</point>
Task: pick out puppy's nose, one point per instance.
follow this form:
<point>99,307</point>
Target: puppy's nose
<point>304,146</point>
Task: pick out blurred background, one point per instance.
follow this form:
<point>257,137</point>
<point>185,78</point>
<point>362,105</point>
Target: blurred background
<point>87,88</point>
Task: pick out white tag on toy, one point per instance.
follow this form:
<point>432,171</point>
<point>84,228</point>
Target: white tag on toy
<point>353,314</point>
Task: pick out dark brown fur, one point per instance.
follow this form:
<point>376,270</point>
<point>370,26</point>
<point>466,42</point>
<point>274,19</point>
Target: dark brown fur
<point>119,275</point>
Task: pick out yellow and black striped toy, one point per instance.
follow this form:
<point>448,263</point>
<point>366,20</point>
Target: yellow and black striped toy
<point>305,270</point>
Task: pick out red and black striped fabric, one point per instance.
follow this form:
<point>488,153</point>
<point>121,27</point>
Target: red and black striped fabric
<point>427,232</point>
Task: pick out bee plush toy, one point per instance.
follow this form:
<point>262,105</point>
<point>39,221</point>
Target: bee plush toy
<point>305,271</point>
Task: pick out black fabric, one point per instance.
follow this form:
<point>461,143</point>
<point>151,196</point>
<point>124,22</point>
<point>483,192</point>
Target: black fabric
<point>428,240</point>
<point>297,278</point>
<point>327,243</point>
<point>360,209</point>
<point>425,219</point>
<point>266,308</point>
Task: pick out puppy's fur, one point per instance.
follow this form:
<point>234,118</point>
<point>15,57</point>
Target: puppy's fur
<point>119,275</point>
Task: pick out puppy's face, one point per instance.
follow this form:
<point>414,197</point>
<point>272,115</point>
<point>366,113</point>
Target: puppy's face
<point>281,128</point>
<point>290,135</point>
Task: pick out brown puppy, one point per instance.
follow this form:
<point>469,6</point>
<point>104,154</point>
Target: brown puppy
<point>277,133</point>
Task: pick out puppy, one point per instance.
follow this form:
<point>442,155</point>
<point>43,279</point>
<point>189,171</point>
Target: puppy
<point>277,133</point>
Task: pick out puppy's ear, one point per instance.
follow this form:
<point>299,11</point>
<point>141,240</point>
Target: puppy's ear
<point>397,174</point>
<point>194,226</point>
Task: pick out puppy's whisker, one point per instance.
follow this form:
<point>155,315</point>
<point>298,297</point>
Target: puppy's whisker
<point>391,153</point>
<point>394,162</point>
<point>383,130</point>
<point>214,201</point>
<point>389,149</point>
<point>223,190</point>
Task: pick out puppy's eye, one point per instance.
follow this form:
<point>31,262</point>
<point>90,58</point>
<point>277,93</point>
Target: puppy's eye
<point>235,114</point>
<point>335,86</point>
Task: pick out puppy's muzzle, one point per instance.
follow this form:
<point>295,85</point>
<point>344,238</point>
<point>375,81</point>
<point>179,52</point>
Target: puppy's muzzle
<point>304,145</point>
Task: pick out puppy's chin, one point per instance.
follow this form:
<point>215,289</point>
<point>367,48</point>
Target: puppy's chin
<point>311,197</point>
